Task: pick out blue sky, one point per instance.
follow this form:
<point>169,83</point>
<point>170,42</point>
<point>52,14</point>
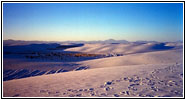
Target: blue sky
<point>93,21</point>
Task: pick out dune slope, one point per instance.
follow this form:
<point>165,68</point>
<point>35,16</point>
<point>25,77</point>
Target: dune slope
<point>128,48</point>
<point>143,74</point>
<point>168,56</point>
<point>139,80</point>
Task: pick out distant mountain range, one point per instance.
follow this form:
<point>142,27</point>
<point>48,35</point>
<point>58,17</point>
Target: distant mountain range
<point>22,42</point>
<point>104,41</point>
<point>11,42</point>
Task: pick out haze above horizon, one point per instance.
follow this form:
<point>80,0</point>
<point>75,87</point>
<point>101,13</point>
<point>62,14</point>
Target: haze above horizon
<point>93,21</point>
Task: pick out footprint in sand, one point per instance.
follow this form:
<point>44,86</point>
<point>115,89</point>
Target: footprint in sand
<point>103,94</point>
<point>150,85</point>
<point>69,89</point>
<point>116,95</point>
<point>92,93</point>
<point>91,89</point>
<point>16,95</point>
<point>124,93</point>
<point>176,92</point>
<point>126,78</point>
<point>80,90</point>
<point>118,80</point>
<point>85,90</point>
<point>78,95</point>
<point>121,93</point>
<point>71,95</point>
<point>108,88</point>
<point>64,93</point>
<point>132,88</point>
<point>75,91</point>
<point>102,86</point>
<point>43,91</point>
<point>127,92</point>
<point>108,83</point>
<point>171,83</point>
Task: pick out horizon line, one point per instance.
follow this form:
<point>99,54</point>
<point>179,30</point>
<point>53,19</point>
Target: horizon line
<point>92,40</point>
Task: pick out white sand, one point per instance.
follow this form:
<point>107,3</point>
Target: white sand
<point>169,56</point>
<point>129,48</point>
<point>144,74</point>
<point>149,80</point>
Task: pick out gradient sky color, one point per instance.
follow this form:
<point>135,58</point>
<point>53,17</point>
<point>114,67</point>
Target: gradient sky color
<point>93,21</point>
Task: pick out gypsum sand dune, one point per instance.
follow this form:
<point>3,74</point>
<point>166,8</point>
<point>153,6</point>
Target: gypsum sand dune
<point>21,69</point>
<point>127,48</point>
<point>158,57</point>
<point>164,80</point>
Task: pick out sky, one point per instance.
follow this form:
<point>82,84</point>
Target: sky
<point>93,21</point>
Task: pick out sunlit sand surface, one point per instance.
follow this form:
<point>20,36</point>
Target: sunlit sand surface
<point>94,70</point>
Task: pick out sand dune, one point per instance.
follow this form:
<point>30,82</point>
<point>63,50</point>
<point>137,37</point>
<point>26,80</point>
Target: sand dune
<point>139,80</point>
<point>15,69</point>
<point>168,56</point>
<point>128,48</point>
<point>143,70</point>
